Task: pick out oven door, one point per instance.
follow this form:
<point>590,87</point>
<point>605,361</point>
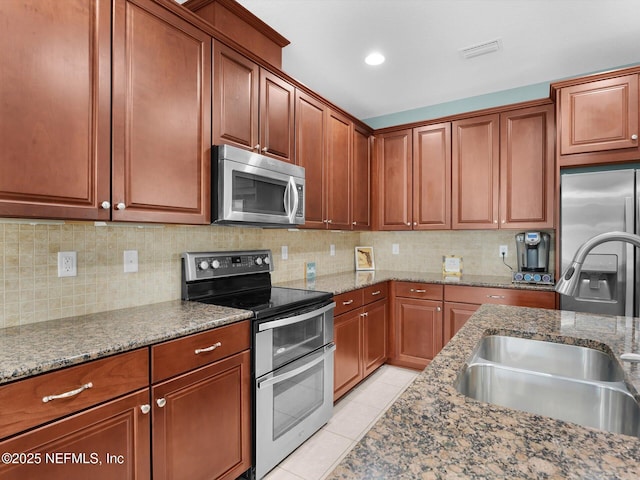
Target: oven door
<point>292,403</point>
<point>282,339</point>
<point>251,194</point>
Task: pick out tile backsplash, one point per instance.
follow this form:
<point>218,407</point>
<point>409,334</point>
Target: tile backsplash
<point>32,292</point>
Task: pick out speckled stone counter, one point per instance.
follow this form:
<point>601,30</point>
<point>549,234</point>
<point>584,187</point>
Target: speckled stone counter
<point>347,281</point>
<point>40,347</point>
<point>434,432</point>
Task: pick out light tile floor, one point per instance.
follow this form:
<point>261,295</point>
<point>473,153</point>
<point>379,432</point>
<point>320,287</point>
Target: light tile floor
<point>353,416</point>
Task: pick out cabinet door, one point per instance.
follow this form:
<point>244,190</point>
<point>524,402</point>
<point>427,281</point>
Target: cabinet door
<point>55,94</point>
<point>161,116</point>
<point>418,331</point>
<point>202,422</point>
<point>339,138</point>
<point>347,366</point>
<point>361,181</point>
<point>475,163</point>
<point>374,329</point>
<point>235,98</point>
<point>598,116</point>
<point>394,180</point>
<point>310,153</point>
<point>527,168</point>
<point>277,102</point>
<point>455,316</point>
<point>432,177</point>
<point>109,441</point>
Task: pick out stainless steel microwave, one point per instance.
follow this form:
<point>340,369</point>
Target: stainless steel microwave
<point>252,189</point>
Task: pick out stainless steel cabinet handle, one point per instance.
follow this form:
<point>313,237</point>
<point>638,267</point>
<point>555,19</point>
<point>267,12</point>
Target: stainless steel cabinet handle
<point>146,408</point>
<point>329,221</point>
<point>634,136</point>
<point>408,224</point>
<point>71,393</point>
<point>120,206</point>
<point>496,296</point>
<point>418,291</point>
<point>415,223</point>
<point>257,147</point>
<point>207,349</point>
<point>348,302</point>
<point>377,292</point>
<point>353,223</point>
<point>161,402</point>
<point>438,309</point>
<point>105,205</point>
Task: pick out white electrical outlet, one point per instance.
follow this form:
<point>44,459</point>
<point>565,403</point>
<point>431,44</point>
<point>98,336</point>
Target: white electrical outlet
<point>332,250</point>
<point>130,261</point>
<point>504,250</point>
<point>67,264</point>
<point>285,252</point>
<point>395,249</point>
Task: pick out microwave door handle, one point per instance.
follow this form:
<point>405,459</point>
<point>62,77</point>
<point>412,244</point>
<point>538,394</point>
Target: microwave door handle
<point>296,200</point>
<point>297,371</point>
<point>283,322</point>
<point>291,197</point>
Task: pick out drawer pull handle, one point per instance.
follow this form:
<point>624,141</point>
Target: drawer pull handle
<point>208,349</point>
<point>146,408</point>
<point>496,296</point>
<point>71,393</point>
<point>377,292</point>
<point>348,302</point>
<point>419,291</point>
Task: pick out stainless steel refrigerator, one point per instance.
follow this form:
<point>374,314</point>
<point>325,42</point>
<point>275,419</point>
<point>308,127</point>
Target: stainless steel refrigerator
<point>592,203</point>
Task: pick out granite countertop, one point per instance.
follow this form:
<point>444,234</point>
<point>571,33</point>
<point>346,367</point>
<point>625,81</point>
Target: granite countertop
<point>348,281</point>
<point>41,347</point>
<point>434,432</point>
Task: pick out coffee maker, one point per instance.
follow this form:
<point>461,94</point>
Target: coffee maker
<point>533,258</point>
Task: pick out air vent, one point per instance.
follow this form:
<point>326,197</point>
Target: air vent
<point>481,48</point>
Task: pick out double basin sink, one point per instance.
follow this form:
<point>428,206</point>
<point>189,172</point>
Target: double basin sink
<point>567,382</point>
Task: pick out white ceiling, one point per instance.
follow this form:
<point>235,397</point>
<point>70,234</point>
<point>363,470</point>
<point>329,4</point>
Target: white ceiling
<point>542,41</point>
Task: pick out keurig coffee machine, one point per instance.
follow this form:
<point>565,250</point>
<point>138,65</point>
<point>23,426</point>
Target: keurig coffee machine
<point>533,258</point>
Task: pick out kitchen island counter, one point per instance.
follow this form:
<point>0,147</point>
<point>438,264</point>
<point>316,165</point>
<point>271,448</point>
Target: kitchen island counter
<point>434,432</point>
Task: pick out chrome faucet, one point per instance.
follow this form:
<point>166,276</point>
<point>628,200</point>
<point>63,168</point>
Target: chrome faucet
<point>568,282</point>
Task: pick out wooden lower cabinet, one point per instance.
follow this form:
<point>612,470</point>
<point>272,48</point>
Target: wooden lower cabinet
<point>103,443</point>
<point>455,316</point>
<point>360,335</point>
<point>418,329</point>
<point>202,422</point>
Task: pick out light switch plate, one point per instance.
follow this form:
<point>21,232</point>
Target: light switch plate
<point>285,252</point>
<point>130,261</point>
<point>395,249</point>
<point>332,250</point>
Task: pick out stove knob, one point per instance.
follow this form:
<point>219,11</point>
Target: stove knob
<point>215,264</point>
<point>203,265</point>
<point>258,261</point>
<point>267,261</point>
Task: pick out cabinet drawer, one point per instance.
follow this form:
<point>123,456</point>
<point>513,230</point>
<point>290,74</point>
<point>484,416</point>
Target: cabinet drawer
<point>418,290</point>
<point>184,354</point>
<point>24,406</point>
<point>348,301</point>
<point>501,296</point>
<point>375,293</point>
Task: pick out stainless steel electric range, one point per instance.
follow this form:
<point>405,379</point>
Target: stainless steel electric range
<point>292,350</point>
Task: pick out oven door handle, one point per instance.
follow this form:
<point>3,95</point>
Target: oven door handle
<point>283,322</point>
<point>297,371</point>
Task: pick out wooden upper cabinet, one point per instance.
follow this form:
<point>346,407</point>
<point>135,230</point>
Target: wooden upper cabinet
<point>527,168</point>
<point>253,108</point>
<point>475,172</point>
<point>393,180</point>
<point>361,180</point>
<point>161,116</point>
<point>310,147</point>
<point>599,116</point>
<point>339,146</point>
<point>55,144</point>
<point>235,98</point>
<point>277,101</point>
<point>432,177</point>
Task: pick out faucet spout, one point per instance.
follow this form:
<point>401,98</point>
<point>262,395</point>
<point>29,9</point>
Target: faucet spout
<point>568,282</point>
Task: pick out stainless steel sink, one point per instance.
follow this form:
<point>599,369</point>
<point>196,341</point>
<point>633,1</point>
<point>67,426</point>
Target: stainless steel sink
<point>548,357</point>
<point>559,381</point>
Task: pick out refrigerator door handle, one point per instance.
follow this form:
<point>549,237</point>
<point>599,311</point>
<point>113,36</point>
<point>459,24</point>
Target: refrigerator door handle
<point>629,224</point>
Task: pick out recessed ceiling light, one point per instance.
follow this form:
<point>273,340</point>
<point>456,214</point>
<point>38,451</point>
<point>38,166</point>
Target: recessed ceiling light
<point>375,58</point>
